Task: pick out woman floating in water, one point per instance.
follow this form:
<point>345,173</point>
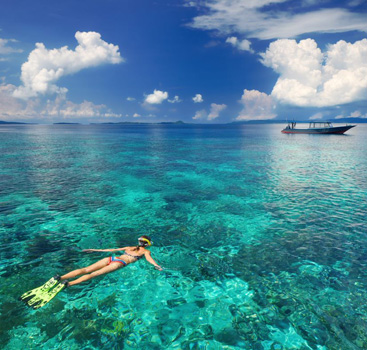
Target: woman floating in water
<point>40,296</point>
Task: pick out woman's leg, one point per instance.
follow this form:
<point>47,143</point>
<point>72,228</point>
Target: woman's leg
<point>96,266</point>
<point>102,271</point>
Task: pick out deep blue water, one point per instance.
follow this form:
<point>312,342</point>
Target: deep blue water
<point>263,236</point>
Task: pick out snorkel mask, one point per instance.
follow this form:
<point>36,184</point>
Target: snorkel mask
<point>143,242</point>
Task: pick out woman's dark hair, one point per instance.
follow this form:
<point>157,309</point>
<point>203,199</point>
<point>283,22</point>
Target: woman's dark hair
<point>145,244</point>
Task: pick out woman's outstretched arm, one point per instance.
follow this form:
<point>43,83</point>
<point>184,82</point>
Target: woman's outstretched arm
<point>104,250</point>
<point>150,259</point>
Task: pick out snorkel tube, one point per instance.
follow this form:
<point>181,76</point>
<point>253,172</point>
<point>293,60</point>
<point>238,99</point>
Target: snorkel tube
<point>144,241</point>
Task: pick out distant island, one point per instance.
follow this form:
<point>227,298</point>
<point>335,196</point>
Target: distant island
<point>5,122</point>
<point>63,123</point>
<point>141,123</point>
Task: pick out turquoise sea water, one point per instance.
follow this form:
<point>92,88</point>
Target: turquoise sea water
<point>263,236</point>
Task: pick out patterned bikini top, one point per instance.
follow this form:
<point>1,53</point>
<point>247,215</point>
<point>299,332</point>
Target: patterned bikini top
<point>134,256</point>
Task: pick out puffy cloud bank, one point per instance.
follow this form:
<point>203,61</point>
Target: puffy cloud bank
<point>309,77</point>
<point>65,109</point>
<point>44,67</point>
<point>270,19</point>
<point>199,115</point>
<point>257,106</point>
<point>156,98</point>
<point>12,108</point>
<point>215,110</point>
<point>5,49</point>
<point>355,114</point>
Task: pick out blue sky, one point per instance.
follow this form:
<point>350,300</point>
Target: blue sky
<point>213,61</point>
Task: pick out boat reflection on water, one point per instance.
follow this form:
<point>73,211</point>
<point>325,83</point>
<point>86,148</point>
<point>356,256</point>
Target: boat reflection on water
<point>316,128</point>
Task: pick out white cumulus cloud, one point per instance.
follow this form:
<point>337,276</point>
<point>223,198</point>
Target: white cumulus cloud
<point>156,98</point>
<point>309,77</point>
<point>44,67</point>
<point>215,109</point>
<point>257,106</point>
<point>198,98</point>
<point>176,99</point>
<point>256,19</point>
<point>243,45</point>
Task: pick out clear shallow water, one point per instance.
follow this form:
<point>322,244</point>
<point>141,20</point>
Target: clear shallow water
<point>264,236</point>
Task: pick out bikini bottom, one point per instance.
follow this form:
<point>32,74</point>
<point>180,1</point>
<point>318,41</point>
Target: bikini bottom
<point>114,259</point>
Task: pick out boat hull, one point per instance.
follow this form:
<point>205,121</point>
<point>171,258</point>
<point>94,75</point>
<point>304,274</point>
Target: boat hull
<point>333,130</point>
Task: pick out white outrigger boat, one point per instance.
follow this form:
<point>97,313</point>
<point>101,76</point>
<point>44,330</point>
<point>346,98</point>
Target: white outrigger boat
<point>316,128</point>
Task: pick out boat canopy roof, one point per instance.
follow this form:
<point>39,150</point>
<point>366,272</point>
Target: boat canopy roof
<point>313,125</point>
<point>320,125</point>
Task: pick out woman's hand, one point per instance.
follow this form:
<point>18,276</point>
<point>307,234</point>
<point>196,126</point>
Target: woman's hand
<point>157,267</point>
<point>90,250</point>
